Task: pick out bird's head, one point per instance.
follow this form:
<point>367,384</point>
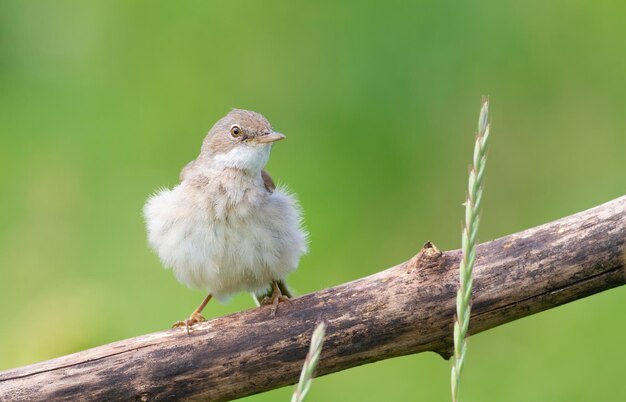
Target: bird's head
<point>240,140</point>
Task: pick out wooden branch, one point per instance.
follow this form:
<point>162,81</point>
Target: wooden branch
<point>406,309</point>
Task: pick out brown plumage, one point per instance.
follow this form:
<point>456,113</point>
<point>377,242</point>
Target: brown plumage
<point>267,181</point>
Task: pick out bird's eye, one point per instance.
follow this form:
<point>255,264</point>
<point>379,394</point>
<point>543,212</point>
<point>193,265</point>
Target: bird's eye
<point>235,131</point>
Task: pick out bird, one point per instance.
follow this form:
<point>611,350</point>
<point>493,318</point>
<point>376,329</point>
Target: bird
<point>226,227</point>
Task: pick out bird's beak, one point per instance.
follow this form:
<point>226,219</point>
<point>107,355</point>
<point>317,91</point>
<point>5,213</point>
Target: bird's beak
<point>271,137</point>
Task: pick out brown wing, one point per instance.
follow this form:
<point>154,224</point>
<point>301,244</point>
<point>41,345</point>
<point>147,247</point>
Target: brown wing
<point>267,181</point>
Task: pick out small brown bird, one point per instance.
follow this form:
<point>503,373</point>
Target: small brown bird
<point>226,228</point>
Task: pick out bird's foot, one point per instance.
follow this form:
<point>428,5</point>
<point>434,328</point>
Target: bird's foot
<point>273,300</point>
<point>193,319</point>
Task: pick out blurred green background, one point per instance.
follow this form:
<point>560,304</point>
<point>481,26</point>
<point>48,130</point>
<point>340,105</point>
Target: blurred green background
<point>103,102</point>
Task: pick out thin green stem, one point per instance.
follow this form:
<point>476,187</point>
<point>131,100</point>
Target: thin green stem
<point>468,245</point>
<point>310,363</point>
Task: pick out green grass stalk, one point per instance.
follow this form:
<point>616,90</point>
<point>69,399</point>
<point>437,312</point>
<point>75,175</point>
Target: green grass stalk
<point>470,229</point>
<point>310,363</point>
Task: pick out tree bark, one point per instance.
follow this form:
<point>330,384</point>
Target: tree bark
<point>405,309</point>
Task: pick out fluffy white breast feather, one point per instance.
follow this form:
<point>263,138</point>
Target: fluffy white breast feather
<point>224,232</point>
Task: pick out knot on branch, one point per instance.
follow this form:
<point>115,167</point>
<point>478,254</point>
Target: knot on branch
<point>428,256</point>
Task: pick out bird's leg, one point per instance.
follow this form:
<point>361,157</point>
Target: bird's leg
<point>275,298</point>
<point>195,316</point>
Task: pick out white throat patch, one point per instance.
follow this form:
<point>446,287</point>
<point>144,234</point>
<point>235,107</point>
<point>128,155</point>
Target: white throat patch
<point>247,157</point>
